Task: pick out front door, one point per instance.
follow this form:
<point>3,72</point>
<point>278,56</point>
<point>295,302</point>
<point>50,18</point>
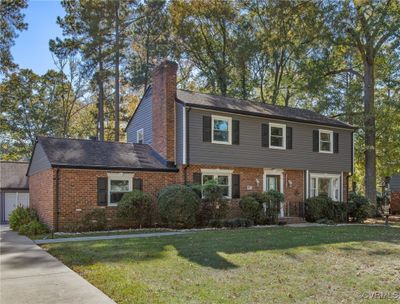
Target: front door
<point>272,182</point>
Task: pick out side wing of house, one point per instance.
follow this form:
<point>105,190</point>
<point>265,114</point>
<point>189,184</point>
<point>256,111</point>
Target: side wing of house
<point>140,126</point>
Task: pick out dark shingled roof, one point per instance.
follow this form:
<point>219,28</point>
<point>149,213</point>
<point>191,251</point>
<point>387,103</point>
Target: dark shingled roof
<point>63,152</point>
<point>214,102</point>
<point>13,175</point>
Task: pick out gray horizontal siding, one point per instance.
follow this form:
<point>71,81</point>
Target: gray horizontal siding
<point>395,183</point>
<point>142,119</point>
<point>39,161</point>
<point>250,153</point>
<point>179,133</point>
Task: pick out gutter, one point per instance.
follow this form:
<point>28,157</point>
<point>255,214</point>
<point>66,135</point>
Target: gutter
<point>56,165</point>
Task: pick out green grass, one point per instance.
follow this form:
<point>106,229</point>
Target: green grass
<point>264,265</point>
<point>59,235</point>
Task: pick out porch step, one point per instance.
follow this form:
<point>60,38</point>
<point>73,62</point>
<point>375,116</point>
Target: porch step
<point>292,219</point>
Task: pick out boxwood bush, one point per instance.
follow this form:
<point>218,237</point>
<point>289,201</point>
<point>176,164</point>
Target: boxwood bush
<point>359,207</point>
<point>178,206</point>
<point>136,206</point>
<point>251,208</point>
<point>319,207</point>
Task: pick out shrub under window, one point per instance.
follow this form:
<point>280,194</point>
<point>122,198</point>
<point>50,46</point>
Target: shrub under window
<point>178,206</point>
<point>136,206</point>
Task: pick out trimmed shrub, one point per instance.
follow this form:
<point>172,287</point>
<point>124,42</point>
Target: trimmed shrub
<point>135,206</point>
<point>359,208</point>
<point>213,204</point>
<point>319,207</point>
<point>32,228</point>
<point>94,220</point>
<point>21,216</point>
<point>251,208</point>
<point>178,206</point>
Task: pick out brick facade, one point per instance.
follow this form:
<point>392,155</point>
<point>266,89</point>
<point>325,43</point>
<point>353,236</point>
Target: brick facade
<point>293,188</point>
<point>77,191</point>
<point>41,196</point>
<point>163,104</point>
<point>395,202</point>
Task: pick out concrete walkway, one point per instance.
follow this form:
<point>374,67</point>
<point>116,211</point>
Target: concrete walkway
<point>28,274</point>
<point>109,237</point>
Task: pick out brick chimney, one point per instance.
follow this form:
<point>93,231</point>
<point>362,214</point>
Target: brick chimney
<point>163,100</point>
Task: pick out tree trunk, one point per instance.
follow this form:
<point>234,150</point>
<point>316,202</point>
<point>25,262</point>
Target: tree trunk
<point>116,92</point>
<point>370,129</point>
<point>100,83</point>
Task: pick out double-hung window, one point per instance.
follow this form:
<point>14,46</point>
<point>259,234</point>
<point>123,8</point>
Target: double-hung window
<point>325,185</point>
<point>221,130</point>
<point>277,136</point>
<point>223,179</point>
<point>118,185</point>
<point>325,141</point>
<point>140,136</point>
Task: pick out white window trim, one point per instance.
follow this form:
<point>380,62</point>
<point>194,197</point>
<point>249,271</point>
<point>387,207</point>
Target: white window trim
<point>272,125</point>
<point>215,173</point>
<point>326,175</point>
<point>140,131</point>
<point>229,119</point>
<point>281,190</point>
<point>331,140</point>
<point>118,176</point>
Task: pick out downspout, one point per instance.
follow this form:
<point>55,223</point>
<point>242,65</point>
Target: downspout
<point>187,162</point>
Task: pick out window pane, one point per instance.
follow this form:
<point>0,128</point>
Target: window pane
<point>276,141</point>
<point>313,187</point>
<point>225,190</point>
<point>207,178</point>
<point>115,197</point>
<point>325,146</point>
<point>272,183</point>
<point>222,180</point>
<point>277,131</point>
<point>119,185</point>
<point>325,136</point>
<point>324,186</point>
<point>221,135</point>
<point>221,125</point>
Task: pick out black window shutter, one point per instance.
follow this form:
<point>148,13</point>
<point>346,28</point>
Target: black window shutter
<point>235,186</point>
<point>315,140</point>
<point>102,191</point>
<point>137,184</point>
<point>207,128</point>
<point>335,142</point>
<point>235,132</point>
<point>265,135</point>
<point>197,178</point>
<point>289,138</point>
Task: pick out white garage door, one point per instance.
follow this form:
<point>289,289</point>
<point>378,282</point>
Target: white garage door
<point>12,200</point>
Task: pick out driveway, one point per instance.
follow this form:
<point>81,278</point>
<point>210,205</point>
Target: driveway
<point>28,274</point>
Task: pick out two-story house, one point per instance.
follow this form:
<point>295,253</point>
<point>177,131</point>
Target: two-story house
<point>178,136</point>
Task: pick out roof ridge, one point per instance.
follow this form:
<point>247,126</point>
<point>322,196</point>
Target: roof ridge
<point>247,100</point>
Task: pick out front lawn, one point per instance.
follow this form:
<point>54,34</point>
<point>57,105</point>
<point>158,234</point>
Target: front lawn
<point>264,265</point>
